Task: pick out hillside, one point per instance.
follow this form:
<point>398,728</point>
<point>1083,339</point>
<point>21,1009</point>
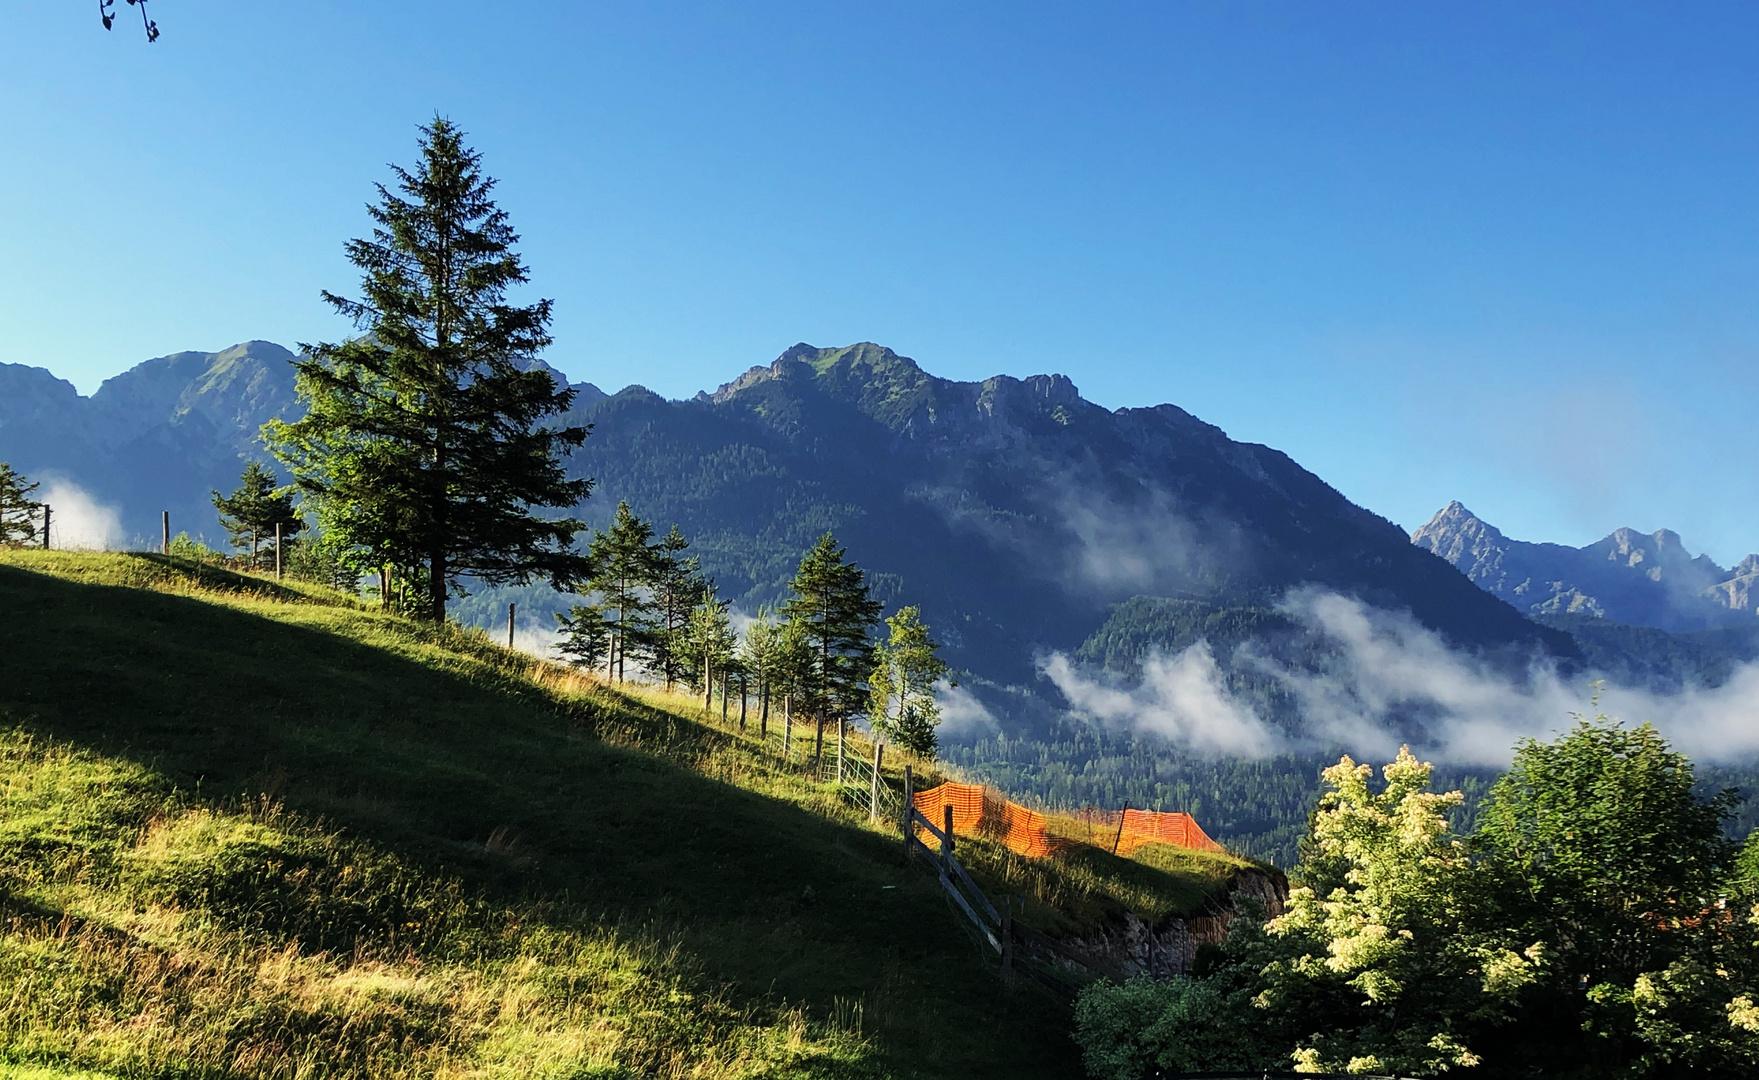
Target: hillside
<point>248,828</point>
<point>1643,579</point>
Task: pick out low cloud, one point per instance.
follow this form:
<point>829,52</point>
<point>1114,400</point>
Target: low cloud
<point>1390,680</point>
<point>1183,697</point>
<point>534,638</point>
<point>963,716</point>
<point>77,521</point>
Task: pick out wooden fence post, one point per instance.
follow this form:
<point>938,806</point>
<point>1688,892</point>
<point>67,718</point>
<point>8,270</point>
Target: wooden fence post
<point>909,809</point>
<point>1116,840</point>
<point>165,532</point>
<point>1007,940</point>
<point>879,753</point>
<point>45,526</point>
<point>842,727</point>
<point>510,625</point>
<point>947,840</point>
<point>277,551</point>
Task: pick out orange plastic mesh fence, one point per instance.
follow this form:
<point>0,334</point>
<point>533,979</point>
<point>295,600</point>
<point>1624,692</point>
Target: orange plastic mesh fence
<point>979,811</point>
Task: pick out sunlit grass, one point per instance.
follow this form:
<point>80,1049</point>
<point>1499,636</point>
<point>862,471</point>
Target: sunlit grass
<point>259,829</point>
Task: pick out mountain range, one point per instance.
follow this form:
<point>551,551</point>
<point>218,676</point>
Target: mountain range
<point>1014,511</point>
<point>1643,579</point>
<point>1025,521</point>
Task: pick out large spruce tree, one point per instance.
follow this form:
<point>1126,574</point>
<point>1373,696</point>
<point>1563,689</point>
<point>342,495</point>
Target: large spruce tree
<point>833,612</point>
<point>425,444</point>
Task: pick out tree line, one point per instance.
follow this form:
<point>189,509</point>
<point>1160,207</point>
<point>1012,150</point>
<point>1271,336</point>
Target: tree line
<point>648,603</point>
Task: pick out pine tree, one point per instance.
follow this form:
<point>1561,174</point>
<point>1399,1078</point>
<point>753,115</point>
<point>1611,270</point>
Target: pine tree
<point>708,641</point>
<point>906,669</point>
<point>250,514</point>
<point>586,636</point>
<point>622,568</point>
<point>425,444</point>
<point>833,613</point>
<point>677,579</point>
<point>18,511</point>
<point>760,652</point>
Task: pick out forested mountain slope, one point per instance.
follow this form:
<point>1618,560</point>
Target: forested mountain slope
<point>1014,511</point>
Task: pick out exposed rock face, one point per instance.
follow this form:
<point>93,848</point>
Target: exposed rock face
<point>1646,579</point>
<point>1133,947</point>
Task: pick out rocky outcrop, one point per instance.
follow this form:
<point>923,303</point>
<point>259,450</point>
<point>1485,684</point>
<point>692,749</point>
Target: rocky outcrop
<point>1131,946</point>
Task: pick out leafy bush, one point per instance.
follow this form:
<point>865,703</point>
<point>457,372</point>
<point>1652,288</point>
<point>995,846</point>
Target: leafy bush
<point>1597,925</point>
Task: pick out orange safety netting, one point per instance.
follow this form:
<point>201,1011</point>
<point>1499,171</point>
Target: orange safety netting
<point>1154,827</point>
<point>979,811</point>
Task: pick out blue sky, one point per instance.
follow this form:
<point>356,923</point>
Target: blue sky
<point>1505,253</point>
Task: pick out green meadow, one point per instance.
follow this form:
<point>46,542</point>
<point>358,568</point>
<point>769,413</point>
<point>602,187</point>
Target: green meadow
<point>255,829</point>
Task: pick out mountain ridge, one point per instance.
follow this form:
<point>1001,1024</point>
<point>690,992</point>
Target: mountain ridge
<point>1628,576</point>
<point>1012,508</point>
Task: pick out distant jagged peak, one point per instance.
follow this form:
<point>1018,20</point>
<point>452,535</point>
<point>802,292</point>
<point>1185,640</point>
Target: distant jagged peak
<point>1451,524</point>
<point>1661,549</point>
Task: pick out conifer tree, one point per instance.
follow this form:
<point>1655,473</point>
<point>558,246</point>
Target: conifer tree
<point>622,562</point>
<point>426,441</point>
<point>834,614</point>
<point>249,515</point>
<point>18,511</point>
<point>760,652</point>
<point>708,642</point>
<point>586,636</point>
<point>905,671</point>
<point>677,580</point>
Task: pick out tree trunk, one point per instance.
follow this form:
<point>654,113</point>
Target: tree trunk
<point>437,588</point>
<point>763,697</point>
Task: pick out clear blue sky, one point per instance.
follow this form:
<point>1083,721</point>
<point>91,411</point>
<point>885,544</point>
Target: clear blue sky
<point>1506,253</point>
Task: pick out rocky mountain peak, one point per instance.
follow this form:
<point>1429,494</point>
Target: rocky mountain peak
<point>1648,579</point>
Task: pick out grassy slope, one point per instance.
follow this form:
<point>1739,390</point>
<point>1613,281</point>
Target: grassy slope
<point>267,833</point>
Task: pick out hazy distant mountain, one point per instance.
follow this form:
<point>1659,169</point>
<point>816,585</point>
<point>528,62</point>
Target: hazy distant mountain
<point>160,436</point>
<point>1644,579</point>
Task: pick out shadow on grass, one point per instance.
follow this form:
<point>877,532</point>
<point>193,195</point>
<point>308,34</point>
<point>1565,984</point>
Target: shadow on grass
<point>489,779</point>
